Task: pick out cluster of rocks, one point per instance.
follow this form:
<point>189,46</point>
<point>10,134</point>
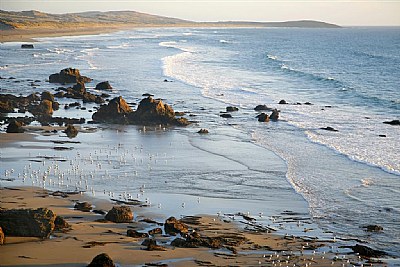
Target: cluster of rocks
<point>149,112</point>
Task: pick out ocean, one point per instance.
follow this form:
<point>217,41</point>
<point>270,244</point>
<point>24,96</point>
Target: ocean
<point>347,79</point>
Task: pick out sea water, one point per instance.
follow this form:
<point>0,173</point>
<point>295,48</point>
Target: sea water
<point>348,77</point>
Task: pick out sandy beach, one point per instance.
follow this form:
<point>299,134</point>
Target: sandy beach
<point>89,237</point>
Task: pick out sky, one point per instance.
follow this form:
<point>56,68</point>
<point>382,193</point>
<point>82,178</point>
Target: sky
<point>342,12</point>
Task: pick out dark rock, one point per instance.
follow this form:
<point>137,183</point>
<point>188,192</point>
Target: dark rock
<point>282,102</point>
<point>104,86</point>
<point>15,127</point>
<point>29,46</point>
<point>47,96</point>
<point>59,94</point>
<point>263,117</point>
<point>172,226</point>
<point>368,252</point>
<point>308,103</point>
<point>261,107</point>
<point>79,88</point>
<point>68,75</point>
<point>147,95</point>
<point>102,260</point>
<point>329,129</point>
<point>1,236</point>
<point>71,131</point>
<point>274,115</point>
<point>382,135</point>
<point>45,108</point>
<point>393,122</point>
<point>153,112</point>
<point>373,228</point>
<point>60,224</point>
<point>225,115</point>
<point>83,206</point>
<point>6,107</point>
<point>179,113</point>
<point>27,222</point>
<point>155,231</point>
<point>136,234</point>
<point>203,131</point>
<point>120,214</point>
<point>231,109</point>
<point>115,112</point>
<point>151,245</point>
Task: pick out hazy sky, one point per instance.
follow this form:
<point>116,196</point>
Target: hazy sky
<point>346,13</point>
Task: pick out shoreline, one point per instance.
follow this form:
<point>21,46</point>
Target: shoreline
<point>71,248</point>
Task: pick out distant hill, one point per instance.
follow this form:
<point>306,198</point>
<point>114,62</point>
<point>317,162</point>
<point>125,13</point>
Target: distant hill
<point>36,19</point>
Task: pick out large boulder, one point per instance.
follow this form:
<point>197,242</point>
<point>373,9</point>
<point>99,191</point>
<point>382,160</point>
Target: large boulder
<point>115,111</point>
<point>68,75</point>
<point>60,224</point>
<point>47,96</point>
<point>120,214</point>
<point>104,86</point>
<point>1,236</point>
<point>151,111</point>
<point>27,222</point>
<point>172,226</point>
<point>102,260</point>
<point>45,108</point>
<point>15,127</point>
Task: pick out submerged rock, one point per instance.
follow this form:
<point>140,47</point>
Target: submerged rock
<point>120,214</point>
<point>393,122</point>
<point>225,115</point>
<point>102,260</point>
<point>282,102</point>
<point>203,131</point>
<point>331,129</point>
<point>27,222</point>
<point>27,46</point>
<point>231,109</point>
<point>261,107</point>
<point>104,86</point>
<point>274,115</point>
<point>373,228</point>
<point>263,117</point>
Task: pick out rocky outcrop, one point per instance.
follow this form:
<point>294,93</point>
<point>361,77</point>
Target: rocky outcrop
<point>27,222</point>
<point>71,131</point>
<point>15,127</point>
<point>45,108</point>
<point>393,122</point>
<point>274,115</point>
<point>104,86</point>
<point>153,112</point>
<point>115,111</point>
<point>172,226</point>
<point>263,117</point>
<point>68,75</point>
<point>8,102</point>
<point>102,260</point>
<point>83,206</point>
<point>1,236</point>
<point>231,109</point>
<point>47,96</point>
<point>368,252</point>
<point>120,214</point>
<point>136,234</point>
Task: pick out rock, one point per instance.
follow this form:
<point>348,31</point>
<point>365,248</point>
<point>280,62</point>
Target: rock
<point>368,252</point>
<point>136,234</point>
<point>308,103</point>
<point>71,131</point>
<point>15,127</point>
<point>225,115</point>
<point>102,260</point>
<point>172,226</point>
<point>60,224</point>
<point>55,105</point>
<point>68,75</point>
<point>115,112</point>
<point>282,102</point>
<point>79,88</point>
<point>120,214</point>
<point>6,107</point>
<point>1,236</point>
<point>231,109</point>
<point>27,222</point>
<point>104,86</point>
<point>147,95</point>
<point>47,96</point>
<point>25,46</point>
<point>329,129</point>
<point>83,206</point>
<point>373,228</point>
<point>261,107</point>
<point>45,108</point>
<point>263,117</point>
<point>393,122</point>
<point>155,231</point>
<point>151,245</point>
<point>154,112</point>
<point>274,115</point>
<point>203,131</point>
